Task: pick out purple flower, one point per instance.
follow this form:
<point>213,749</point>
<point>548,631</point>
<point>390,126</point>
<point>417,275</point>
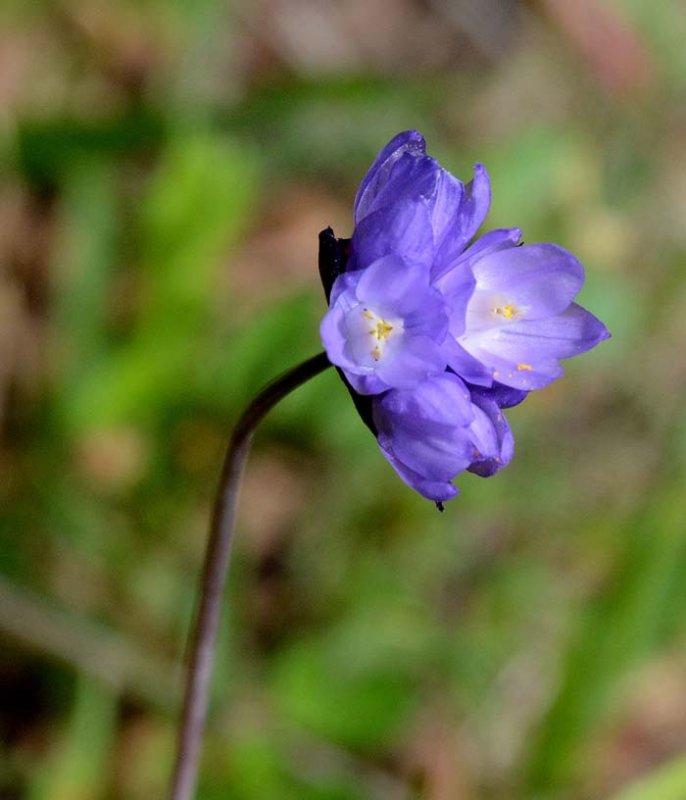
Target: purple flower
<point>520,319</point>
<point>385,326</point>
<point>434,336</point>
<point>408,204</point>
<point>433,432</point>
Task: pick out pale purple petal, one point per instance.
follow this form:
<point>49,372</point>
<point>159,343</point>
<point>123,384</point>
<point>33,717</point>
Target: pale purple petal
<point>568,334</point>
<point>538,280</point>
<point>428,318</point>
<point>390,282</point>
<point>477,201</point>
<point>440,400</point>
<point>332,331</point>
<point>465,365</point>
<point>437,452</point>
<point>385,326</point>
<point>368,384</point>
<point>397,288</point>
<point>525,354</point>
<point>500,239</point>
<point>517,374</point>
<point>415,359</point>
<point>457,287</point>
<point>344,283</point>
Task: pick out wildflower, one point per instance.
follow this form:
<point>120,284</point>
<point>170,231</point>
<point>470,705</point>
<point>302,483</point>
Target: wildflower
<point>520,318</point>
<point>437,430</point>
<point>435,336</point>
<point>385,326</point>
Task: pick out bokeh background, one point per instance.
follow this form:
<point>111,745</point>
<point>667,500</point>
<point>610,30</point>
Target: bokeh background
<point>167,167</point>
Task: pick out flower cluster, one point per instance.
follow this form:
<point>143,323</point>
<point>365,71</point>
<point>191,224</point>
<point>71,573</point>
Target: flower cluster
<point>435,334</point>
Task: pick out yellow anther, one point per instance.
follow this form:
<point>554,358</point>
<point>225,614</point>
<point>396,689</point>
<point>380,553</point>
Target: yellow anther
<point>507,312</point>
<point>382,330</point>
<point>524,367</point>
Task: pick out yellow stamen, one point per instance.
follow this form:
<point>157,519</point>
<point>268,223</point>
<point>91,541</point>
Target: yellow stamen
<point>382,330</point>
<point>524,367</point>
<point>507,312</point>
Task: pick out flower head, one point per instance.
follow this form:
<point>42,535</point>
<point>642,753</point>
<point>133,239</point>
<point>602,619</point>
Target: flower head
<point>385,326</point>
<point>434,336</point>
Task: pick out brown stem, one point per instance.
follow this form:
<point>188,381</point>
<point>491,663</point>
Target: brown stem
<point>217,556</point>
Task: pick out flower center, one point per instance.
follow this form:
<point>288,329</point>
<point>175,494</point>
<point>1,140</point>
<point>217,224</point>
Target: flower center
<point>506,312</point>
<point>380,331</point>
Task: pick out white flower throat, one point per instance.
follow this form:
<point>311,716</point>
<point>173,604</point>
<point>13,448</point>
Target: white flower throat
<point>370,335</point>
<point>486,311</point>
<point>380,331</point>
<point>508,311</point>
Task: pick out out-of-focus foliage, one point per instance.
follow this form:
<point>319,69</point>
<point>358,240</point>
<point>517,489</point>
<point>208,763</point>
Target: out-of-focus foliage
<point>167,167</point>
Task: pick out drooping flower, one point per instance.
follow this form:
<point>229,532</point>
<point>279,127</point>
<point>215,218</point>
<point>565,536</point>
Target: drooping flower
<point>434,336</point>
<point>433,432</point>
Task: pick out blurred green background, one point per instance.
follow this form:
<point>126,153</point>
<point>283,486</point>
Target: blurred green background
<point>167,167</point>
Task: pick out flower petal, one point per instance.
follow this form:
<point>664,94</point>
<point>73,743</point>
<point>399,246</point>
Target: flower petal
<point>444,202</point>
<point>568,334</point>
<point>492,437</point>
<point>525,355</point>
<point>392,283</point>
<point>465,365</point>
<point>538,279</point>
<point>344,283</point>
<point>467,218</point>
<point>366,384</point>
<point>442,273</point>
<point>333,334</point>
<point>436,490</point>
<point>395,288</point>
<point>414,359</point>
<point>378,176</point>
<point>403,228</point>
<point>502,396</point>
<point>427,428</point>
<point>410,180</point>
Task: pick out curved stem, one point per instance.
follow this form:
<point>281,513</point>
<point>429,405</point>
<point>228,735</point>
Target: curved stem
<point>214,574</point>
